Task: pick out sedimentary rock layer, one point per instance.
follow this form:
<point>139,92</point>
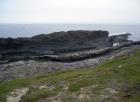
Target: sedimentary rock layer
<point>56,43</point>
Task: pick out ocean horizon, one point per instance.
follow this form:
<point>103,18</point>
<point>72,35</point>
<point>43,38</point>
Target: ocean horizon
<point>28,30</point>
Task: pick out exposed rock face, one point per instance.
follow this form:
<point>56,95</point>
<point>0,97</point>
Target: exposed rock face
<point>73,40</point>
<point>59,41</point>
<point>22,69</point>
<point>55,43</point>
<point>119,38</point>
<point>42,54</point>
<point>70,57</point>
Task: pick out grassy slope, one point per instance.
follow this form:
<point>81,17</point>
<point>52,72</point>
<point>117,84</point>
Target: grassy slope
<point>114,81</point>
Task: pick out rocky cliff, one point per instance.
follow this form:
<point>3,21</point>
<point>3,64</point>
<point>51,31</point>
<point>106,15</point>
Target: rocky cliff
<point>59,41</point>
<point>54,43</point>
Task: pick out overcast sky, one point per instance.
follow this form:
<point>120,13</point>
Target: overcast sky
<point>70,11</point>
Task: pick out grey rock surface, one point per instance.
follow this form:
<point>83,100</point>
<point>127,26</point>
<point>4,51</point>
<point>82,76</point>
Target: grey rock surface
<point>22,69</point>
<point>56,43</point>
<point>43,54</point>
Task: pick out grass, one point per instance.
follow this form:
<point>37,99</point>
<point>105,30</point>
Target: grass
<point>121,74</point>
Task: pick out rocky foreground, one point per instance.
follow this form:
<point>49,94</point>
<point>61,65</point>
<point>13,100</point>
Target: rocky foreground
<point>115,80</point>
<point>43,54</point>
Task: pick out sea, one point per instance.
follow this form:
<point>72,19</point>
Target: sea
<point>29,30</point>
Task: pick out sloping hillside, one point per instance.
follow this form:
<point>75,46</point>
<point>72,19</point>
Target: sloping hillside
<point>115,81</point>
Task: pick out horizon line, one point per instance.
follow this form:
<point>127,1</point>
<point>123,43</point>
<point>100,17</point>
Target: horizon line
<point>71,23</point>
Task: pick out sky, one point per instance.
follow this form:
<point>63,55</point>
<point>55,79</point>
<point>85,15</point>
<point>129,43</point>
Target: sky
<point>70,11</point>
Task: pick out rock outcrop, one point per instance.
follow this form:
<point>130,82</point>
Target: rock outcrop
<point>55,43</point>
<point>45,53</point>
<point>59,41</point>
<point>120,38</point>
<point>76,56</point>
<point>51,45</point>
<point>32,67</point>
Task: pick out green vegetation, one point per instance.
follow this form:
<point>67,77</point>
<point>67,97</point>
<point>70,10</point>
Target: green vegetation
<point>114,81</point>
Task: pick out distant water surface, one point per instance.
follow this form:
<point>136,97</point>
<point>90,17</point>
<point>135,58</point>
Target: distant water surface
<point>28,30</point>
